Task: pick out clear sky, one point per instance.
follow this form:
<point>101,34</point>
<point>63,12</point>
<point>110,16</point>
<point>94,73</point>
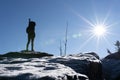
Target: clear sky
<point>51,17</point>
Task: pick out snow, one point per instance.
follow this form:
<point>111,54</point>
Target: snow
<point>35,68</point>
<point>72,67</point>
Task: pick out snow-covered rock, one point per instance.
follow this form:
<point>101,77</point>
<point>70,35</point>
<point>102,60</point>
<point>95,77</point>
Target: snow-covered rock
<point>87,64</point>
<point>74,67</point>
<point>36,69</point>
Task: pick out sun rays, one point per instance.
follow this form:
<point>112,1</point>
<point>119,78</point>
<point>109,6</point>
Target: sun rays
<point>98,30</point>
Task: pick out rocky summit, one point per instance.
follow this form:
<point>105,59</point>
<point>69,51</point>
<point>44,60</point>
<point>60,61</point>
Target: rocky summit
<point>26,54</point>
<point>73,67</point>
<point>44,66</point>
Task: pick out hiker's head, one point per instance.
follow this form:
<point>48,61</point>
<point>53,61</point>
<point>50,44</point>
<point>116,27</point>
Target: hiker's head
<point>32,23</point>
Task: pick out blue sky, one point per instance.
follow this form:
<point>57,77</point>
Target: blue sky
<point>51,17</point>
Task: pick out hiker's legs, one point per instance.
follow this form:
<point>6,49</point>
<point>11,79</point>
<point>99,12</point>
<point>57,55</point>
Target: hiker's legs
<point>32,44</point>
<point>27,45</point>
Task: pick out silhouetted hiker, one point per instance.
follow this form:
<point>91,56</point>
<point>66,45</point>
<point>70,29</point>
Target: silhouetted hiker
<point>30,30</point>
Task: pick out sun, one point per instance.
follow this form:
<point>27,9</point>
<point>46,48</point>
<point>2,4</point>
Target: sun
<point>99,30</point>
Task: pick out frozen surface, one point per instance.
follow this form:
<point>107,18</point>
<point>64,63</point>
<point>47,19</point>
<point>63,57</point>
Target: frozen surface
<point>36,68</point>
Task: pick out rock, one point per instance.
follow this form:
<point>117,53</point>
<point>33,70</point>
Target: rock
<point>76,77</point>
<point>29,54</point>
<point>25,76</point>
<point>111,69</point>
<point>113,56</point>
<point>47,78</point>
<point>75,67</point>
<point>111,66</point>
<point>36,69</point>
<point>95,71</point>
<point>86,64</point>
<point>94,54</point>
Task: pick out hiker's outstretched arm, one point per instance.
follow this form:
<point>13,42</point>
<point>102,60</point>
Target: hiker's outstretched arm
<point>29,19</point>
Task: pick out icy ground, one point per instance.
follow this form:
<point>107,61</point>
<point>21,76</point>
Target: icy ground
<point>38,69</point>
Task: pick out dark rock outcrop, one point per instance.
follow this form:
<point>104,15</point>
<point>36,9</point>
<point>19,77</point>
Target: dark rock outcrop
<point>95,71</point>
<point>111,69</point>
<point>24,54</point>
<point>113,56</point>
<point>111,66</point>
